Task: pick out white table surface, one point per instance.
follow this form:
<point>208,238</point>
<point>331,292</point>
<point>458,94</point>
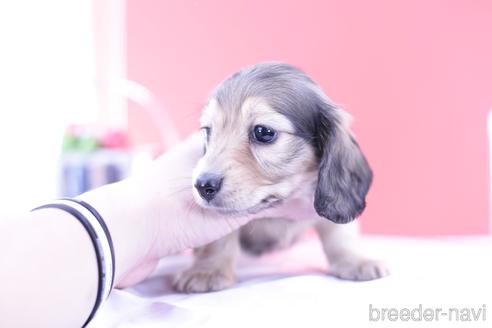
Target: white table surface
<point>291,289</point>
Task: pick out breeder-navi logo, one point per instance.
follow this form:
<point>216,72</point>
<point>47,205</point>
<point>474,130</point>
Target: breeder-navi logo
<point>421,313</point>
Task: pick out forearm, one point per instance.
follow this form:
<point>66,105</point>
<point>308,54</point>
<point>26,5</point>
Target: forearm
<point>48,266</point>
<point>48,271</point>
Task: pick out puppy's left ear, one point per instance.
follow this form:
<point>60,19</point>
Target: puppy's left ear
<point>344,175</point>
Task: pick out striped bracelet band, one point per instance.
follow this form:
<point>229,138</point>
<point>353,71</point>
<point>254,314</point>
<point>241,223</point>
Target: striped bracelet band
<point>101,240</point>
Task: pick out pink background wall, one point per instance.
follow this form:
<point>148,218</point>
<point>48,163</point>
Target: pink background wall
<point>417,76</point>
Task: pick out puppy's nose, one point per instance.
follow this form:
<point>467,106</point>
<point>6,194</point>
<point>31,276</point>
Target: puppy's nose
<point>208,185</point>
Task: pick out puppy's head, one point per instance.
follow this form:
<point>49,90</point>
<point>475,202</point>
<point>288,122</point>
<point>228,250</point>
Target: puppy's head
<point>270,134</point>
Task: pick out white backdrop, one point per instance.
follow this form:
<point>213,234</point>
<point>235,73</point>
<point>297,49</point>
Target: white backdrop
<point>46,81</point>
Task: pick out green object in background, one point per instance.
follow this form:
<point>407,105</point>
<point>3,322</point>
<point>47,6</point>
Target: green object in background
<point>88,144</point>
<point>70,143</point>
<point>81,144</point>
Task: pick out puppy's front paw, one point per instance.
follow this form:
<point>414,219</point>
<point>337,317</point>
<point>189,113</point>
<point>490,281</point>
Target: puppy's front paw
<point>359,269</point>
<point>201,280</point>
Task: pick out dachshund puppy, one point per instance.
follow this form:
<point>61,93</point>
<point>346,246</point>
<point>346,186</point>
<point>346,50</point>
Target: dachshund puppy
<point>272,135</point>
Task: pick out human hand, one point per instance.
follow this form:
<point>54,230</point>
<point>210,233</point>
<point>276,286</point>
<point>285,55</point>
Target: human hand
<point>154,213</point>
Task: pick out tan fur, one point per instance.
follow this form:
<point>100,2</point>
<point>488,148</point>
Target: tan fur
<point>253,173</point>
<point>260,171</point>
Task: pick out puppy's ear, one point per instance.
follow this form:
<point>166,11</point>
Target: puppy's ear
<point>344,174</point>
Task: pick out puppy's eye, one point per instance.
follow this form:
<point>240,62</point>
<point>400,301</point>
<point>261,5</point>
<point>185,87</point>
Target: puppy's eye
<point>264,134</point>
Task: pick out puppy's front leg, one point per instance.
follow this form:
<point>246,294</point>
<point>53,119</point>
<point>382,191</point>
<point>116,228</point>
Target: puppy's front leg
<point>214,267</point>
<point>340,243</point>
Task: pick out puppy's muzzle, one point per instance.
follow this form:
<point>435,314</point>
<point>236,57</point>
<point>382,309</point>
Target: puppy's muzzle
<point>208,185</point>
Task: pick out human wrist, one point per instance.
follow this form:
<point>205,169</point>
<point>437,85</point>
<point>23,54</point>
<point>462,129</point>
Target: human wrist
<point>131,227</point>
